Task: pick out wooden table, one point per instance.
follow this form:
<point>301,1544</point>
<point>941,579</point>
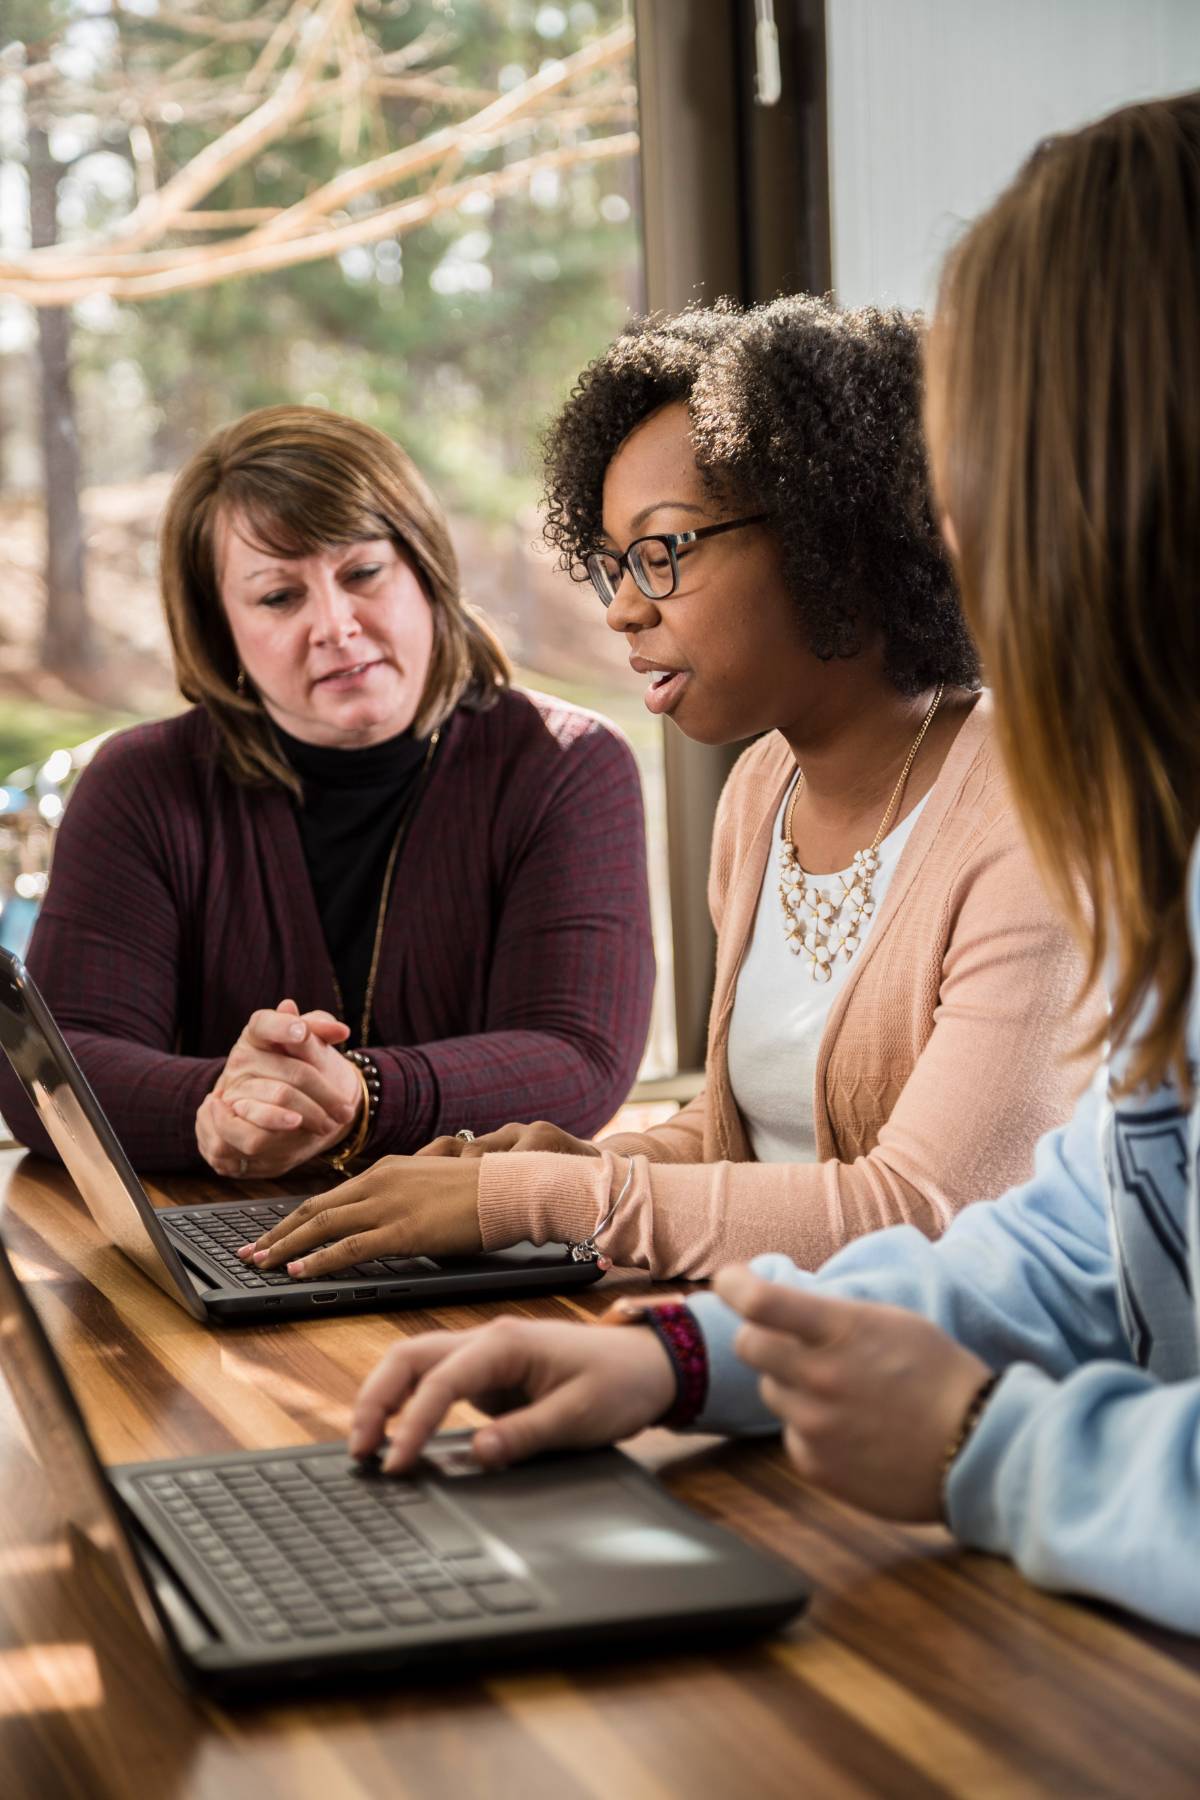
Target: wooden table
<point>918,1671</point>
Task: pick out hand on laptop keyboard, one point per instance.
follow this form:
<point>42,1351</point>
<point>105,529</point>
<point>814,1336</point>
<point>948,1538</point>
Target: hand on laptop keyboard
<point>401,1206</point>
<point>585,1388</point>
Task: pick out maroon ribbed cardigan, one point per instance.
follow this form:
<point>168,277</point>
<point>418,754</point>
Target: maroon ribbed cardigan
<point>516,968</point>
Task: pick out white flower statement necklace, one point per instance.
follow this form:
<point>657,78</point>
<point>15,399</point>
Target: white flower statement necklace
<point>823,927</point>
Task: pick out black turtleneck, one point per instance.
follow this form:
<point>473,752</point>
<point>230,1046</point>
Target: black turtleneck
<point>354,803</point>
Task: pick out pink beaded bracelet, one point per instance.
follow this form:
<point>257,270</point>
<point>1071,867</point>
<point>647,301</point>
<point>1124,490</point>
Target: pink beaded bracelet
<point>675,1326</point>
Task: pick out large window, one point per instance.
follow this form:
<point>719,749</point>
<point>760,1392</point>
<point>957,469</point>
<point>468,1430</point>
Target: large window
<point>458,334</point>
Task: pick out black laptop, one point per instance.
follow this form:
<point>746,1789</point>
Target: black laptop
<point>278,1567</point>
<point>190,1251</point>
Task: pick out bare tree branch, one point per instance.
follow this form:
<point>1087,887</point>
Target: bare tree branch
<point>75,263</point>
<point>226,219</point>
<point>141,148</point>
<point>400,165</point>
<point>125,265</point>
<point>233,31</point>
<point>273,49</point>
<point>227,261</point>
<point>152,217</point>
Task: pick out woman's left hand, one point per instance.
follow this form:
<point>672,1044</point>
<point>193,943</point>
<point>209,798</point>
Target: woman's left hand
<point>869,1396</point>
<point>400,1206</point>
<point>541,1135</point>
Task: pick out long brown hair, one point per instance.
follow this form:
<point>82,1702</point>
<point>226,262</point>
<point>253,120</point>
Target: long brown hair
<point>303,479</point>
<point>1064,422</point>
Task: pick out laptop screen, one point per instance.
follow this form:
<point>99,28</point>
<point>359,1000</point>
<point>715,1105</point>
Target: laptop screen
<point>59,1437</point>
<point>83,1137</point>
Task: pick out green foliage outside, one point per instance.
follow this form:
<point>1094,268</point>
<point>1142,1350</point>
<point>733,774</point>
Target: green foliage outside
<point>29,731</point>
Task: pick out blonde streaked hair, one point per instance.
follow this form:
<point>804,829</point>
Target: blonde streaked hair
<point>300,479</point>
<point>1063,410</point>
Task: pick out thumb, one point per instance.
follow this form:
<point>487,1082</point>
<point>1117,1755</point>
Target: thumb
<point>802,1311</point>
<point>326,1027</point>
<point>557,1421</point>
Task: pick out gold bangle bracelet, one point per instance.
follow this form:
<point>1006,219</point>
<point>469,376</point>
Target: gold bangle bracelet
<point>343,1154</point>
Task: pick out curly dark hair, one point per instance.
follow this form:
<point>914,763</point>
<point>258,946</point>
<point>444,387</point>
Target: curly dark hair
<point>808,412</point>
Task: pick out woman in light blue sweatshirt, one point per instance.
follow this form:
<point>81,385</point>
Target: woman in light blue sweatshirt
<point>1034,1376</point>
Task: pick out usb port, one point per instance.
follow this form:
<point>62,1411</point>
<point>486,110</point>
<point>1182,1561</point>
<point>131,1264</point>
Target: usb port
<point>324,1299</point>
<point>365,1293</point>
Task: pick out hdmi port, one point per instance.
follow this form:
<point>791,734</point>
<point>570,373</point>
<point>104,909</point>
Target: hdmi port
<point>365,1293</point>
<point>324,1299</point>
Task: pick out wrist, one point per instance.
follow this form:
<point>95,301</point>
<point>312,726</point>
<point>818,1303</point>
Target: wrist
<point>963,1433</point>
<point>677,1333</point>
<point>547,1199</point>
<point>353,1142</point>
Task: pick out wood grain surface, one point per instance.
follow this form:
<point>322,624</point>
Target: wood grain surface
<point>918,1671</point>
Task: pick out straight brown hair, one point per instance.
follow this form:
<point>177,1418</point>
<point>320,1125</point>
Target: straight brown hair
<point>1063,411</point>
<point>302,479</point>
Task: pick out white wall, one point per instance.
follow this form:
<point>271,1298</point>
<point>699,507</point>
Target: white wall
<point>933,105</point>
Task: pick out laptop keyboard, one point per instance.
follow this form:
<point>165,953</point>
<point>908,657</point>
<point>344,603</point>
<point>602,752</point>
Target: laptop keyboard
<point>221,1234</point>
<point>303,1548</point>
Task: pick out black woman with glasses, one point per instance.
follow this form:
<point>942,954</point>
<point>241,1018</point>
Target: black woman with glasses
<point>897,1008</point>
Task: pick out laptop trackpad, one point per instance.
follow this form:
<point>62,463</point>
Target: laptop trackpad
<point>601,1524</point>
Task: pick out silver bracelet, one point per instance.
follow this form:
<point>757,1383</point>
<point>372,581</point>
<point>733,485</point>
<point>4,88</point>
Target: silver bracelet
<point>585,1250</point>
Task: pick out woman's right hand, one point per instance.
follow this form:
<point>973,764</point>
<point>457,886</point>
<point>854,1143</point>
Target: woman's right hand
<point>585,1386</point>
<point>541,1135</point>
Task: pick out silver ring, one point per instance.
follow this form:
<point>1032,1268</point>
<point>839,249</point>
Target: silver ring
<point>466,1136</point>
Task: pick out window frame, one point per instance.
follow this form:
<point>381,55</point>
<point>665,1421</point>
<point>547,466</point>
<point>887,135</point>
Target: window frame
<point>735,201</point>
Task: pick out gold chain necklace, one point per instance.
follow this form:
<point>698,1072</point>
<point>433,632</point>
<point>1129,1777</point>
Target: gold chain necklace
<point>824,927</point>
<point>385,894</point>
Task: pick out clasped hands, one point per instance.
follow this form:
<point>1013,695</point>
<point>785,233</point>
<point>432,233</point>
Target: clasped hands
<point>284,1096</point>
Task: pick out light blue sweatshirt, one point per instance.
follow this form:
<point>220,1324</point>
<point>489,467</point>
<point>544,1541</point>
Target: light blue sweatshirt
<point>1084,1287</point>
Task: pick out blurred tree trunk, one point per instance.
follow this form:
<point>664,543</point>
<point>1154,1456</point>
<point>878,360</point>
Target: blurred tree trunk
<point>68,645</point>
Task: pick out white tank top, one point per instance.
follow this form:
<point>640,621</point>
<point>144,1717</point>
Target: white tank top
<point>779,1013</point>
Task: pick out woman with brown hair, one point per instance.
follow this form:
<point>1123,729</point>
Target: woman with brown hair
<point>359,839</point>
<point>1033,1376</point>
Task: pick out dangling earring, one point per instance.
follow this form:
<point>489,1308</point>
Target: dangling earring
<point>241,680</point>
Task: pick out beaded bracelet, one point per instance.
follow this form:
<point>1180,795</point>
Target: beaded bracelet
<point>675,1326</point>
<point>353,1144</point>
<point>970,1420</point>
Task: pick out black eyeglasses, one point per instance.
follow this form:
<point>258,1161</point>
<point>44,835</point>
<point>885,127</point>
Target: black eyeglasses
<point>652,561</point>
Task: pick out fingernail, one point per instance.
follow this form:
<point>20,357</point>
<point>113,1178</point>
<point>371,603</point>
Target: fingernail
<point>489,1446</point>
<point>295,1268</point>
<point>356,1443</point>
<point>261,1255</point>
<point>296,1032</point>
<point>245,1251</point>
<point>393,1462</point>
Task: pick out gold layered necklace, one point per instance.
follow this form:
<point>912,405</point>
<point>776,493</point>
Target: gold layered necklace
<point>820,925</point>
<point>385,893</point>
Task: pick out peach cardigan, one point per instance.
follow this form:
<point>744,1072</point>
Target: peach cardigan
<point>952,1047</point>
